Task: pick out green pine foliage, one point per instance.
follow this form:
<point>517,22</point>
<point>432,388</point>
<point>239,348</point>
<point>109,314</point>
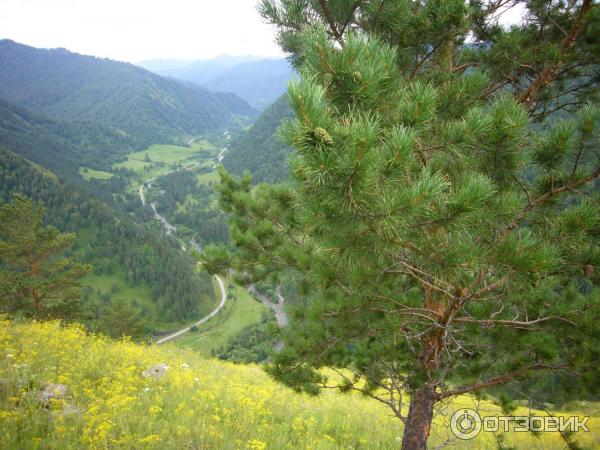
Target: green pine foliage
<point>35,279</point>
<point>444,214</point>
<point>122,319</point>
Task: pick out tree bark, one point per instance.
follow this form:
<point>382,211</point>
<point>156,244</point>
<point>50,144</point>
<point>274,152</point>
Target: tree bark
<point>418,422</point>
<point>34,292</point>
<point>423,399</point>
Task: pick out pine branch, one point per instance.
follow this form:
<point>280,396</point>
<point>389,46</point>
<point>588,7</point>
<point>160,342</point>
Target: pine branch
<point>332,27</point>
<point>350,16</point>
<point>528,96</point>
<point>569,186</point>
<point>501,379</point>
<point>510,323</point>
<point>395,406</point>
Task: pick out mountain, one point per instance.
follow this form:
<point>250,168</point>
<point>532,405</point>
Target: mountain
<point>259,83</point>
<point>68,87</point>
<point>161,66</point>
<point>198,72</point>
<point>60,146</point>
<point>259,149</point>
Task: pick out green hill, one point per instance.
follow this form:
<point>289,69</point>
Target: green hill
<point>70,87</point>
<point>140,262</point>
<point>60,146</point>
<point>259,150</point>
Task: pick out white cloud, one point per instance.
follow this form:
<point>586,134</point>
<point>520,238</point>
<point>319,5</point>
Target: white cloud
<point>134,30</point>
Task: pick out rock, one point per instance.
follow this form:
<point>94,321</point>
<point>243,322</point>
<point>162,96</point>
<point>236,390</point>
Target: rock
<point>156,372</point>
<point>52,391</point>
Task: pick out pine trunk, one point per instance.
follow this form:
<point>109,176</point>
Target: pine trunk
<point>423,399</point>
<point>418,422</point>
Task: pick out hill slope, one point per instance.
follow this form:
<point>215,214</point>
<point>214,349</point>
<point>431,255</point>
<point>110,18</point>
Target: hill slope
<point>259,150</point>
<point>195,403</point>
<point>60,146</point>
<point>67,86</point>
<point>113,243</point>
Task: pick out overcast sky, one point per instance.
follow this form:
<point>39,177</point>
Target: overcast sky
<point>135,30</point>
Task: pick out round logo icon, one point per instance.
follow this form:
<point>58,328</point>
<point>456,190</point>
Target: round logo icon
<point>465,423</point>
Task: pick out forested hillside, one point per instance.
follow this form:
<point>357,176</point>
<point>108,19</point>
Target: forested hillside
<point>60,146</point>
<point>259,150</point>
<point>71,87</point>
<point>112,243</point>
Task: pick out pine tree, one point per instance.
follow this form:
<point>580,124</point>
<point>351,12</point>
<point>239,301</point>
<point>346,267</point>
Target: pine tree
<point>121,319</point>
<point>34,279</point>
<point>444,210</point>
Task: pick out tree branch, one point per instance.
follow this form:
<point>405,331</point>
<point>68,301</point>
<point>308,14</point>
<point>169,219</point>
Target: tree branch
<point>552,193</point>
<point>332,27</point>
<point>500,379</point>
<point>528,95</point>
<point>510,323</point>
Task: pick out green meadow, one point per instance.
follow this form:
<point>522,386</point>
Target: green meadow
<point>159,160</point>
<point>240,311</point>
<point>88,174</point>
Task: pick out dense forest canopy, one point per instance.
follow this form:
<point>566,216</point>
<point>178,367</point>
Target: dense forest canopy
<point>61,146</point>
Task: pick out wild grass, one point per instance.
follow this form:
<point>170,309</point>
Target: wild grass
<point>198,404</point>
<point>208,177</point>
<point>88,174</point>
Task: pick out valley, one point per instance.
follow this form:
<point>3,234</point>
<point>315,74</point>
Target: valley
<point>115,162</point>
<point>143,172</point>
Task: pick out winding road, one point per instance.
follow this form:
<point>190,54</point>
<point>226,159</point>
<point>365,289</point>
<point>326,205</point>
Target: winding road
<point>169,229</point>
<point>278,308</point>
<point>204,319</point>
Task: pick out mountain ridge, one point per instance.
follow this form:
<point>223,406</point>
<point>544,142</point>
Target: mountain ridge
<point>67,86</point>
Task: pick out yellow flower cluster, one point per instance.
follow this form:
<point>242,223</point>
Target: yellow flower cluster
<point>198,403</point>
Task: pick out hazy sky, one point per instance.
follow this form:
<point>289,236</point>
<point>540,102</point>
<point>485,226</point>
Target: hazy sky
<point>134,30</point>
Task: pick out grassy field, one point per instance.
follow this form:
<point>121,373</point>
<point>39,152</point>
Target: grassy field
<point>162,159</point>
<point>206,178</point>
<point>240,311</point>
<point>116,286</point>
<point>88,174</point>
<point>197,404</point>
